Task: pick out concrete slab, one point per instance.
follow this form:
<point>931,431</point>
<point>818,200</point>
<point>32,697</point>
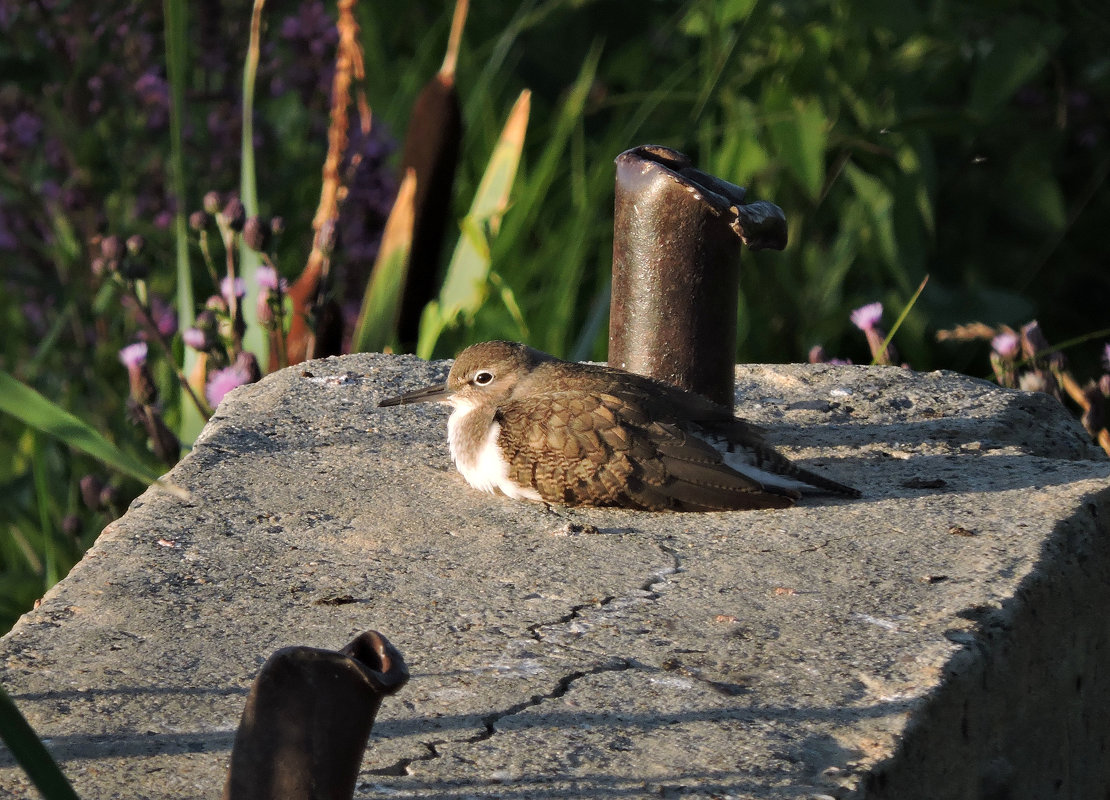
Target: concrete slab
<point>943,636</point>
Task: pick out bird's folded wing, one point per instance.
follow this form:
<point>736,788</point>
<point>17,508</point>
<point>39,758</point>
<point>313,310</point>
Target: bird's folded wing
<point>584,448</point>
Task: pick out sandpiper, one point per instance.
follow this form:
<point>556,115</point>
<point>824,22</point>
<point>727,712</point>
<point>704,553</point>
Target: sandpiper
<point>531,426</point>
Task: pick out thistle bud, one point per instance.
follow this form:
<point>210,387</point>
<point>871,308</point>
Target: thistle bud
<point>212,202</point>
<point>111,248</point>
<point>71,526</point>
<point>248,363</point>
<point>234,214</point>
<point>256,234</point>
<point>91,487</point>
<point>109,495</point>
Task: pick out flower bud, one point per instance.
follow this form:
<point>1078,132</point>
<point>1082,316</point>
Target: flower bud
<point>212,202</point>
<point>111,248</point>
<point>234,214</point>
<point>248,363</point>
<point>91,487</point>
<point>256,234</point>
<point>198,220</point>
<point>109,496</point>
<point>71,526</point>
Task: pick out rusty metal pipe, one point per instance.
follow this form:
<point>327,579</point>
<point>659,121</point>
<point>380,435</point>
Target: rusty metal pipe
<point>676,269</point>
<point>307,719</point>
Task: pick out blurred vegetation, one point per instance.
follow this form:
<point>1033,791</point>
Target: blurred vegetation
<point>967,141</point>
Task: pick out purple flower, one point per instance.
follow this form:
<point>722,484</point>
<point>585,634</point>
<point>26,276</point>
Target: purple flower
<point>223,381</point>
<point>154,93</point>
<point>134,355</point>
<point>26,128</point>
<point>143,390</point>
<point>867,317</point>
<point>165,318</point>
<point>1006,344</point>
<point>239,286</point>
<point>1106,356</point>
<point>267,278</point>
<point>195,338</point>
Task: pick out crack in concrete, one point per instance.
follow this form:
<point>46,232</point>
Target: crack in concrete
<point>561,688</point>
<point>402,766</point>
<point>648,586</point>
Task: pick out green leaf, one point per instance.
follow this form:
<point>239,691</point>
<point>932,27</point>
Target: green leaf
<point>1018,51</point>
<point>1032,192</point>
<point>381,305</point>
<point>467,283</point>
<point>31,408</point>
<point>798,132</point>
<point>878,204</point>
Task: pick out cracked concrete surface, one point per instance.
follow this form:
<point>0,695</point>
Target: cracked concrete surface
<point>943,636</point>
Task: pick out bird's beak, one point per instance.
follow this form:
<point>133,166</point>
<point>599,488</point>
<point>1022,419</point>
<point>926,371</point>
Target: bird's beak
<point>429,394</point>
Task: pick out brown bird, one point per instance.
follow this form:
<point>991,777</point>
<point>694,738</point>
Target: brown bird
<point>532,426</point>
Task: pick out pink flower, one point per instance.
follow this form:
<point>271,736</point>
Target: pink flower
<point>1006,344</point>
<point>227,287</point>
<point>165,318</point>
<point>195,338</point>
<point>267,278</point>
<point>134,355</point>
<point>867,317</point>
<point>223,381</point>
<point>1106,356</point>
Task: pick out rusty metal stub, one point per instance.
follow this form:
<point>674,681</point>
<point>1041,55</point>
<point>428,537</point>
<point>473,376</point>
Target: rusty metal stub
<point>676,253</point>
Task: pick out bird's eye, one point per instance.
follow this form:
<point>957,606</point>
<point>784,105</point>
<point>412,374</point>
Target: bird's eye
<point>484,377</point>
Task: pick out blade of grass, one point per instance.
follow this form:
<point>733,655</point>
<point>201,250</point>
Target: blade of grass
<point>42,504</point>
<point>31,754</point>
<point>381,305</point>
<point>177,39</point>
<point>901,318</point>
<point>34,410</point>
<point>254,339</point>
<point>467,283</point>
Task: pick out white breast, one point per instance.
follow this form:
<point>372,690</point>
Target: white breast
<point>487,470</point>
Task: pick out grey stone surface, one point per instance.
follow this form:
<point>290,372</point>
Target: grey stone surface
<point>945,636</point>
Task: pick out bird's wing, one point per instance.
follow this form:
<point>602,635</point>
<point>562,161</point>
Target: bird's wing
<point>586,448</point>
